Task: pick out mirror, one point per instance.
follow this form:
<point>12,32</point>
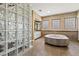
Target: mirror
<point>37,25</point>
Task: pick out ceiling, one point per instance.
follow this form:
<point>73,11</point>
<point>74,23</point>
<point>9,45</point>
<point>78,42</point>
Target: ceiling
<point>45,9</point>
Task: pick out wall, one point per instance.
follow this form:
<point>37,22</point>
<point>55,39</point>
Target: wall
<point>60,17</point>
<point>15,28</point>
<point>72,34</point>
<point>78,23</point>
<point>36,17</point>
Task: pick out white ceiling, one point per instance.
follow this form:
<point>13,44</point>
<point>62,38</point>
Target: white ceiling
<point>54,8</point>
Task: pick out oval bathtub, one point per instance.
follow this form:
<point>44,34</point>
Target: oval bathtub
<point>57,39</point>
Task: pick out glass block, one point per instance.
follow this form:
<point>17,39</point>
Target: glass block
<point>20,42</point>
<point>19,19</point>
<point>7,27</point>
<point>2,14</point>
<point>26,12</point>
<point>7,35</point>
<point>26,40</point>
<point>2,36</point>
<point>26,34</point>
<point>12,35</point>
<point>12,25</point>
<point>12,53</point>
<point>26,27</point>
<point>11,44</point>
<point>4,54</point>
<point>30,23</point>
<point>2,26</point>
<point>30,44</point>
<point>11,16</point>
<point>11,7</point>
<point>26,21</point>
<point>26,6</point>
<point>30,35</point>
<point>20,35</point>
<point>26,45</point>
<point>2,5</point>
<point>20,26</point>
<point>2,48</point>
<point>20,10</point>
<point>20,5</point>
<point>20,49</point>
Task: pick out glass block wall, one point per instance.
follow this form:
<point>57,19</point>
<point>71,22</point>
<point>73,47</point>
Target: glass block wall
<point>15,28</point>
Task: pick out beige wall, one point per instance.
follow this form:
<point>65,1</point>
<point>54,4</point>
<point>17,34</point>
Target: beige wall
<point>78,23</point>
<point>60,17</point>
<point>73,35</point>
<point>36,17</point>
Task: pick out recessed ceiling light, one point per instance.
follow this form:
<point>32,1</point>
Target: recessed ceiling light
<point>48,11</point>
<point>40,10</point>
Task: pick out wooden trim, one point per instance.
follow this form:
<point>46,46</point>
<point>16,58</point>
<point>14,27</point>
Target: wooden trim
<point>33,26</point>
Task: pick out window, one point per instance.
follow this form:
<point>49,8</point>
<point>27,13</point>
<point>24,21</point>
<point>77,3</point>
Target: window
<point>45,24</point>
<point>70,23</point>
<point>55,24</point>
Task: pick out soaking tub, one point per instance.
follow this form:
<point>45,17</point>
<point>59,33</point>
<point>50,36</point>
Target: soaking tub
<point>57,39</point>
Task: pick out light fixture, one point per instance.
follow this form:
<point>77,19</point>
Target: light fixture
<point>40,10</point>
<point>48,11</point>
